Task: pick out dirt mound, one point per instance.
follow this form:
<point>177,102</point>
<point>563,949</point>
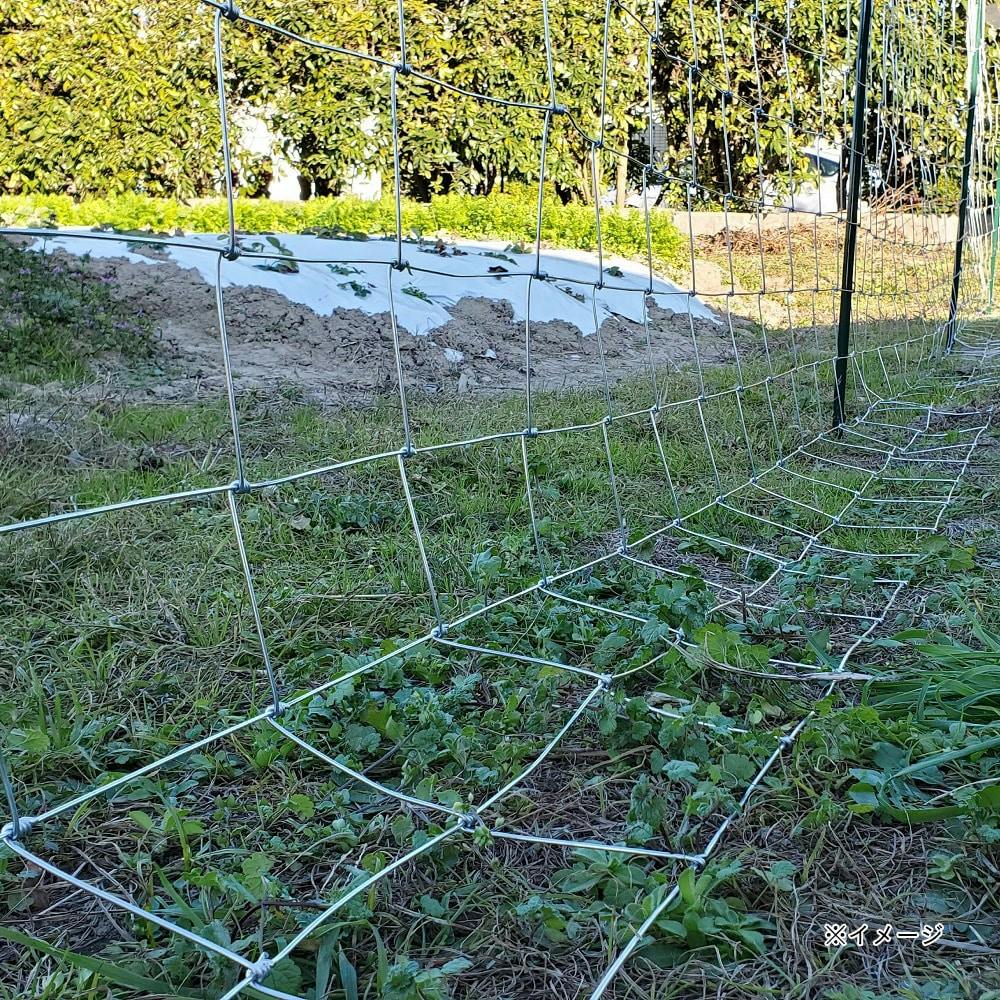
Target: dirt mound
<point>349,355</point>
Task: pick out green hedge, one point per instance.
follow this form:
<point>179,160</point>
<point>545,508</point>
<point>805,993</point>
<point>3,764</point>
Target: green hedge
<point>497,216</point>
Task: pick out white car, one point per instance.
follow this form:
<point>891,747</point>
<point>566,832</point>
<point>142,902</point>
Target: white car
<point>633,199</point>
<point>819,193</point>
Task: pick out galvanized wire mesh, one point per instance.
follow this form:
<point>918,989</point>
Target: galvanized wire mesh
<point>897,359</point>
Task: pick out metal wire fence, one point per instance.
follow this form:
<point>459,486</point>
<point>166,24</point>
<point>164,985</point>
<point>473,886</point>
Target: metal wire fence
<point>882,273</point>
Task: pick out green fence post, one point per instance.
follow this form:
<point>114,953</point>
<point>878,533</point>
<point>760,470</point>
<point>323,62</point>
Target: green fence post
<point>855,168</point>
<point>993,234</point>
<point>963,201</point>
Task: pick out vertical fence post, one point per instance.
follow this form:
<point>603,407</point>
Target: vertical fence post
<point>976,11</point>
<point>994,231</point>
<point>855,168</point>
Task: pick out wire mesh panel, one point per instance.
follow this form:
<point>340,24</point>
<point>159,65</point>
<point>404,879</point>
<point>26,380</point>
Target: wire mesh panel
<point>398,600</point>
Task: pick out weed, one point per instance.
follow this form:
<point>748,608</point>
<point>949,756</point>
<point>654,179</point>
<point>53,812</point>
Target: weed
<point>127,636</point>
<point>57,323</point>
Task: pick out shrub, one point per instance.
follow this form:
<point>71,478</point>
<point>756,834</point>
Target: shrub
<point>510,216</point>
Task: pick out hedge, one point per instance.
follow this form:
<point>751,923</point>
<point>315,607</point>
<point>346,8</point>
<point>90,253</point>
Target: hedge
<point>509,216</point>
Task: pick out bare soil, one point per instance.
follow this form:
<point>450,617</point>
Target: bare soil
<point>348,356</point>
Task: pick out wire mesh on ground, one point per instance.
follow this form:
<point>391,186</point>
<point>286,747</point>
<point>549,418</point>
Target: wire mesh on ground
<point>762,537</point>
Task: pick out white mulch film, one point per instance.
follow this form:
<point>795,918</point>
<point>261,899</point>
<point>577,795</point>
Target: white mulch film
<point>325,291</point>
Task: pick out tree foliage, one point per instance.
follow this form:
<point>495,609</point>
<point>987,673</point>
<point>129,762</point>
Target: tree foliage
<point>119,96</point>
<point>97,99</point>
<point>335,112</point>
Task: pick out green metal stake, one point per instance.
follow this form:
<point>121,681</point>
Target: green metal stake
<point>963,203</point>
<point>993,234</point>
<point>855,168</point>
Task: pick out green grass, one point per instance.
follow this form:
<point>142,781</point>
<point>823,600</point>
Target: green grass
<point>124,637</point>
<point>57,324</point>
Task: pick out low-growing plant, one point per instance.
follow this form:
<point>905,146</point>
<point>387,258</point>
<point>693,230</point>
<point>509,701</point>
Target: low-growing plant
<point>509,216</point>
<point>58,322</point>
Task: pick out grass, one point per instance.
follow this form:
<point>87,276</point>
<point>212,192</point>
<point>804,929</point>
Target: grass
<point>127,636</point>
<point>56,324</point>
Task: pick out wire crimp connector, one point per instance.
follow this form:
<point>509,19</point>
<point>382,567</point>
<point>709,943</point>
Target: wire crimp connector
<point>471,821</point>
<point>260,969</point>
<point>14,831</point>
